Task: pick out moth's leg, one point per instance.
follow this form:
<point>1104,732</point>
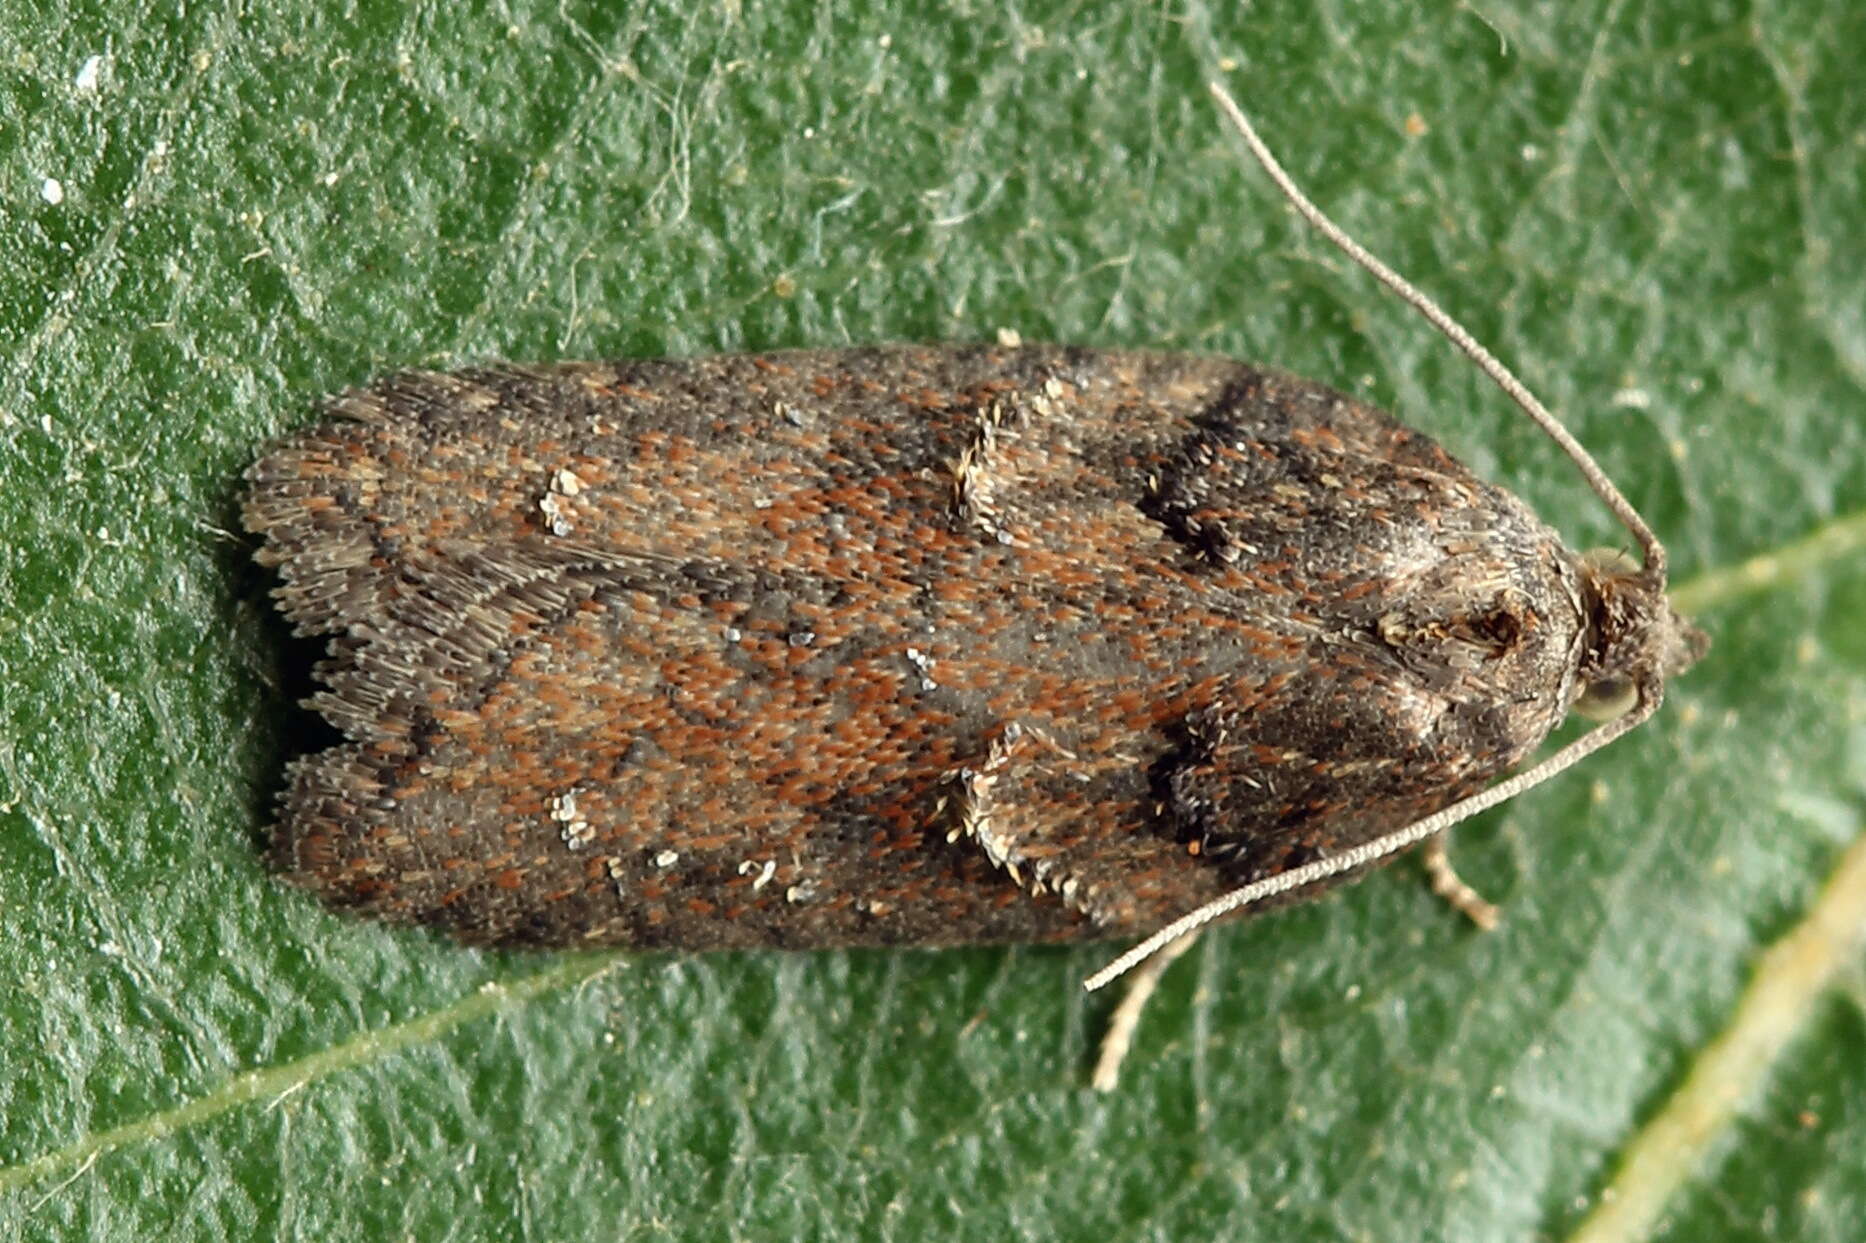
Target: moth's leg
<point>1447,884</point>
<point>1119,1037</point>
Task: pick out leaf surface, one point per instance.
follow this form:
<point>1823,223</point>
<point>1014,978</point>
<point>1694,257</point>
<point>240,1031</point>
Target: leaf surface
<point>1653,210</point>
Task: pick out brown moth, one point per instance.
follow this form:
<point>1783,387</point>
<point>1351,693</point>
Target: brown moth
<point>916,645</point>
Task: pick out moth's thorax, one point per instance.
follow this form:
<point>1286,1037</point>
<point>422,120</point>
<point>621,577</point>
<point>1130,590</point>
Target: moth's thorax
<point>1451,650</point>
<point>1506,611</point>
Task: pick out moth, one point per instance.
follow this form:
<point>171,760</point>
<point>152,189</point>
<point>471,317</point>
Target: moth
<point>916,646</point>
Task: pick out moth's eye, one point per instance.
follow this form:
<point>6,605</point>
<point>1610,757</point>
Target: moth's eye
<point>1610,561</point>
<point>1607,699</point>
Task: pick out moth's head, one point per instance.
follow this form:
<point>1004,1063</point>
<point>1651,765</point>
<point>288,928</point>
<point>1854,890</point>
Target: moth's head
<point>1635,641</point>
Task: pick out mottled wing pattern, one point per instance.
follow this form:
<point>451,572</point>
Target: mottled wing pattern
<point>888,646</point>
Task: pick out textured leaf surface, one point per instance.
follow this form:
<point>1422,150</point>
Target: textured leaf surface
<point>1654,209</point>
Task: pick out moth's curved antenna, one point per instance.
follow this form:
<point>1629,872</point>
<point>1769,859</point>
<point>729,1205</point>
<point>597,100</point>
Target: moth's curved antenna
<point>1380,847</point>
<point>1651,551</point>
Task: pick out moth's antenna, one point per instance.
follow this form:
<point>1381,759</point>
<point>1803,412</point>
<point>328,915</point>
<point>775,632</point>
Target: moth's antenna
<point>1651,691</point>
<point>1650,549</point>
<point>1379,847</point>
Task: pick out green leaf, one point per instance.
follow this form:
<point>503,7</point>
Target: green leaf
<point>1653,210</point>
